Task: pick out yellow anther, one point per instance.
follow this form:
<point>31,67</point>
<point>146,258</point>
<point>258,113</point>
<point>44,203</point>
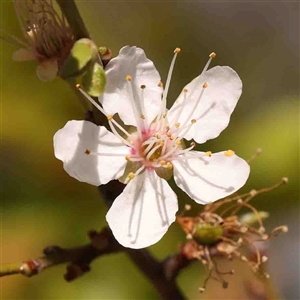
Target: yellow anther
<point>87,151</point>
<point>212,55</point>
<point>185,90</point>
<point>177,125</point>
<point>208,153</point>
<point>128,78</point>
<point>171,137</point>
<point>205,85</point>
<point>142,117</point>
<point>162,162</point>
<point>109,117</point>
<point>177,50</point>
<point>160,84</point>
<point>127,157</point>
<point>169,166</point>
<point>77,86</point>
<point>164,115</point>
<point>193,121</point>
<point>169,134</point>
<point>229,153</point>
<point>167,128</point>
<point>178,142</point>
<point>193,144</point>
<point>143,86</point>
<point>161,143</point>
<point>131,175</point>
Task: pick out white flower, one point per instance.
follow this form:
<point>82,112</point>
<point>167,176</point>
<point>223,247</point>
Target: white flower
<point>48,38</point>
<point>155,149</point>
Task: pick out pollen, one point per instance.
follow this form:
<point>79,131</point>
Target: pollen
<point>128,78</point>
<point>143,86</point>
<point>229,153</point>
<point>142,117</point>
<point>212,55</point>
<point>193,121</point>
<point>177,50</point>
<point>205,85</point>
<point>127,157</point>
<point>109,117</point>
<point>131,175</point>
<point>169,166</point>
<point>87,151</point>
<point>208,153</point>
<point>177,125</point>
<point>77,86</point>
<point>160,84</point>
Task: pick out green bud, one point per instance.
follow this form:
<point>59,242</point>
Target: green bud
<point>206,234</point>
<point>82,55</point>
<point>94,80</point>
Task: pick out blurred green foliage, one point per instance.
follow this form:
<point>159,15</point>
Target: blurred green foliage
<point>42,205</point>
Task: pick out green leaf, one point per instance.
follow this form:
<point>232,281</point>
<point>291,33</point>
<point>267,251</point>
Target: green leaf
<point>94,80</point>
<point>82,55</point>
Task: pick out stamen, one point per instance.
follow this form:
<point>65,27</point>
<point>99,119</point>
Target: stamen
<point>87,151</point>
<point>229,153</point>
<point>164,99</point>
<point>208,153</point>
<point>160,84</point>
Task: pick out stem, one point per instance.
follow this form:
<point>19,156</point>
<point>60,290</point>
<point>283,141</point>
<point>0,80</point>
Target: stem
<point>69,9</point>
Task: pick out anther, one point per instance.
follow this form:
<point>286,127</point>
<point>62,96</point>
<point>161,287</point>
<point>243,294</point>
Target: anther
<point>267,275</point>
<point>193,121</point>
<point>177,125</point>
<point>167,128</point>
<point>193,144</point>
<point>240,201</point>
<point>229,153</point>
<point>205,85</point>
<point>131,175</point>
<point>208,153</point>
<point>169,166</point>
<point>77,86</point>
<point>142,117</point>
<point>261,230</point>
<point>160,84</point>
<point>178,142</point>
<point>253,193</point>
<point>189,236</point>
<point>177,50</point>
<point>285,179</point>
<point>143,86</point>
<point>185,90</point>
<point>162,162</point>
<point>187,207</point>
<point>212,55</point>
<point>87,151</point>
<point>109,117</point>
<point>127,157</point>
<point>201,290</point>
<point>244,258</point>
<point>264,259</point>
<point>284,229</point>
<point>231,272</point>
<point>128,78</point>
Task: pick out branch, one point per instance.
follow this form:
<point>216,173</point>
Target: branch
<point>69,9</point>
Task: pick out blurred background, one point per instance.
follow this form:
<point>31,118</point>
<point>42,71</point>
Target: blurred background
<point>42,205</point>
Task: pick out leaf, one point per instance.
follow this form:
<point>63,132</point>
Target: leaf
<point>94,80</point>
<point>82,54</point>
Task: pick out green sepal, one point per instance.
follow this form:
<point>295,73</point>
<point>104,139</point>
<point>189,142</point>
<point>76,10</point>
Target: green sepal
<point>94,80</point>
<point>82,55</point>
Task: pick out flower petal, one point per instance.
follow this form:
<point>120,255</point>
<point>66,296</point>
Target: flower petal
<point>47,70</point>
<point>90,153</point>
<point>207,179</point>
<point>215,107</point>
<point>141,215</point>
<point>116,98</point>
<point>23,55</point>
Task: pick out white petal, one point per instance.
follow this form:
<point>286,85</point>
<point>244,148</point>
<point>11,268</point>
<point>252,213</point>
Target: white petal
<point>215,107</point>
<point>71,143</point>
<point>207,179</point>
<point>116,98</point>
<point>23,55</point>
<point>141,215</point>
<point>47,70</point>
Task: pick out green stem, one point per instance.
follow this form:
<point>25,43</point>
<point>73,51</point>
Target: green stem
<point>69,9</point>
